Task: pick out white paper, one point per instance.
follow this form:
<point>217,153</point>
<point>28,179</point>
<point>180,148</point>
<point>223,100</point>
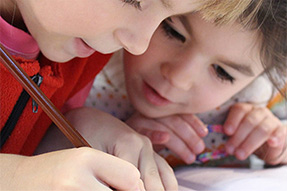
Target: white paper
<point>234,179</point>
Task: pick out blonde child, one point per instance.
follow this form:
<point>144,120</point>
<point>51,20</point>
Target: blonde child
<point>42,34</point>
<point>193,67</point>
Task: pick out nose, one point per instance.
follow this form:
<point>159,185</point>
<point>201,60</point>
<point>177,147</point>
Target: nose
<point>177,76</point>
<point>185,68</point>
<point>134,42</point>
<point>135,37</point>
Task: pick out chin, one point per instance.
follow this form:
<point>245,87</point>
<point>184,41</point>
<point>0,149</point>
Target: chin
<point>60,60</point>
<point>152,113</point>
<point>57,57</point>
<point>107,50</point>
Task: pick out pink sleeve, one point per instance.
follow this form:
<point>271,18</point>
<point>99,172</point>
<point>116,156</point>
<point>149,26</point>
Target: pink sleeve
<point>78,99</point>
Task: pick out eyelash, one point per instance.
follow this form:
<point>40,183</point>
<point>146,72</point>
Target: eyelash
<point>222,74</point>
<point>135,3</point>
<point>171,32</point>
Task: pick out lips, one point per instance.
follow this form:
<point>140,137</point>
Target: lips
<point>153,97</point>
<point>83,49</point>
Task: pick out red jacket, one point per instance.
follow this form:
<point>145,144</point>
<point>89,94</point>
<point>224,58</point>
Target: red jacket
<point>60,82</point>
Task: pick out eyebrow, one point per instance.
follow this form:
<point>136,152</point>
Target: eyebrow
<point>166,4</point>
<point>243,68</point>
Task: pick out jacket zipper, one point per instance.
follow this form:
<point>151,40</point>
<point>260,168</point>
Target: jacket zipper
<point>38,79</point>
<point>17,111</point>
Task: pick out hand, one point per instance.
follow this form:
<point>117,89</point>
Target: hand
<point>255,129</point>
<point>182,134</point>
<point>111,135</point>
<point>71,169</point>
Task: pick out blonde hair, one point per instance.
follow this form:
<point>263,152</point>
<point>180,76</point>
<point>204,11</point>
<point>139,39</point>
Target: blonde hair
<point>226,11</point>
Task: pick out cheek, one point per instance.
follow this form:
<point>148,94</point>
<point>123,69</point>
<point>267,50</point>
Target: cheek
<point>209,99</point>
<point>74,18</point>
<point>131,64</point>
<point>135,65</point>
<point>134,70</point>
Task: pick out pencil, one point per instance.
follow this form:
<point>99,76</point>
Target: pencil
<point>41,99</point>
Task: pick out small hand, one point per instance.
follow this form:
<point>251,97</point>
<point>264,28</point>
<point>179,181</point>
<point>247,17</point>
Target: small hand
<point>182,134</point>
<point>108,134</point>
<point>255,129</point>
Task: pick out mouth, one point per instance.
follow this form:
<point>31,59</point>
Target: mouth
<point>154,97</point>
<point>82,48</point>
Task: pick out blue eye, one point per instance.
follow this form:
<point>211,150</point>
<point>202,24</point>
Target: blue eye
<point>222,74</point>
<point>171,32</point>
<point>135,3</point>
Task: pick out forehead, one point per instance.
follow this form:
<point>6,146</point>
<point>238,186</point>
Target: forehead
<point>230,40</point>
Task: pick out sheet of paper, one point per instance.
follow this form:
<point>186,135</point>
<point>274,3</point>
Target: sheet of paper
<point>190,178</point>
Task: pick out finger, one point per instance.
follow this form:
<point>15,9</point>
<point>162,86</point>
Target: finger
<point>120,175</point>
<point>256,138</point>
<point>199,127</point>
<point>90,183</point>
<point>156,137</point>
<point>235,116</point>
<point>149,169</point>
<point>246,126</point>
<point>282,159</point>
<point>277,154</point>
<point>157,132</point>
<point>278,137</point>
<point>167,174</point>
<point>273,156</point>
<point>141,186</point>
<point>177,146</point>
<point>126,151</point>
<point>187,134</point>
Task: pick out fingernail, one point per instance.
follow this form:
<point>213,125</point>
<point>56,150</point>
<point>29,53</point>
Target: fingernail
<point>203,131</point>
<point>160,137</point>
<point>229,149</point>
<point>199,147</point>
<point>229,129</point>
<point>240,154</point>
<point>190,159</point>
<point>274,141</point>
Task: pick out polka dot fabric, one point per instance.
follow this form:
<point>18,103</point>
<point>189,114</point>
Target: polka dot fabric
<point>108,92</point>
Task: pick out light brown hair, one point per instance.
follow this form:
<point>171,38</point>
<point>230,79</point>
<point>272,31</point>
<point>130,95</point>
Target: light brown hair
<point>271,22</point>
<point>226,11</point>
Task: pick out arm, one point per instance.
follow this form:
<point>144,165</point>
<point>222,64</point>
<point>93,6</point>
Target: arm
<point>256,130</point>
<point>182,134</point>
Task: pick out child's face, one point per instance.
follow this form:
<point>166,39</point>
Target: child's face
<point>65,29</point>
<point>191,66</point>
